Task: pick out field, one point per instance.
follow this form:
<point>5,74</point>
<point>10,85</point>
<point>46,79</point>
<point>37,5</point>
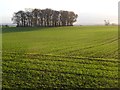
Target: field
<point>60,57</point>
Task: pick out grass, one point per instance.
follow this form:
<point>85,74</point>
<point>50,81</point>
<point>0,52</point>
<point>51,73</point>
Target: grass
<point>60,57</point>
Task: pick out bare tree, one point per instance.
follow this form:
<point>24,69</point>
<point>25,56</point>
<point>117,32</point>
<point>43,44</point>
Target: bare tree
<point>107,22</point>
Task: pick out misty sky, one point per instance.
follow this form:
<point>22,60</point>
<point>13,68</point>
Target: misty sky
<point>89,11</point>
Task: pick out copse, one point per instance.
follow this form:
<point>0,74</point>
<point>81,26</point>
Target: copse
<point>44,18</point>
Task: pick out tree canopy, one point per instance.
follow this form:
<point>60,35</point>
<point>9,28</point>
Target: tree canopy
<point>44,18</point>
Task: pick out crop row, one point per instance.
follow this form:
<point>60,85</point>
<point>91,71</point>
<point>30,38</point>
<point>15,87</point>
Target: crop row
<point>48,76</point>
<point>78,64</point>
<point>51,66</point>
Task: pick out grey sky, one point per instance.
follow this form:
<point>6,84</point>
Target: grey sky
<point>89,11</point>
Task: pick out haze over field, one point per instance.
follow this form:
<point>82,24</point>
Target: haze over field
<point>90,12</point>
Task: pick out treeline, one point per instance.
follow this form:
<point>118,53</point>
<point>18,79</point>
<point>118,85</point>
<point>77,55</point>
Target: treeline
<point>44,18</point>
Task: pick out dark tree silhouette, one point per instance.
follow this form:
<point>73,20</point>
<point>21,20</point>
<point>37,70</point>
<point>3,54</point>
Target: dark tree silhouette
<point>55,18</point>
<point>44,17</point>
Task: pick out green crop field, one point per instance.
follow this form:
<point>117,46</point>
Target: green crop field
<point>60,57</point>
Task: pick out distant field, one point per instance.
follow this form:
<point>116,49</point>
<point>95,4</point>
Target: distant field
<point>60,57</point>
